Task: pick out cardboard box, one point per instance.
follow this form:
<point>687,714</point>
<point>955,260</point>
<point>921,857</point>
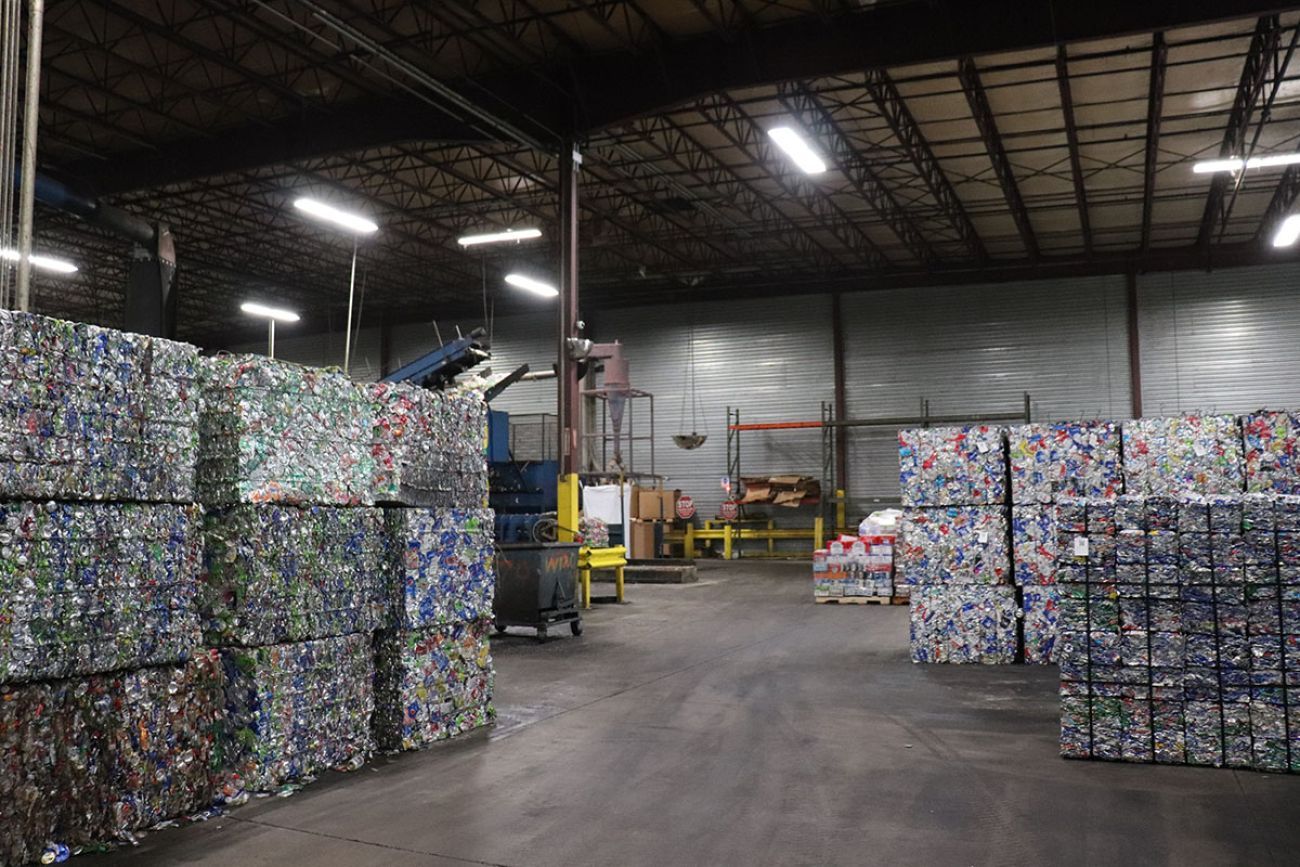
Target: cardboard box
<point>645,537</point>
<point>654,504</point>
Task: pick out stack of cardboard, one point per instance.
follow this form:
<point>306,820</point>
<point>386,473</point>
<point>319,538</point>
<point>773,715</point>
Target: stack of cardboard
<point>788,491</point>
<point>653,510</point>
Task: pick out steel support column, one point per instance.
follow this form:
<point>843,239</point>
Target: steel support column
<point>1134,344</point>
<point>841,402</point>
<point>27,183</point>
<point>568,390</point>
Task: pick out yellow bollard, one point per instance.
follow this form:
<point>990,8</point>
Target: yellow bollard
<point>567,515</point>
<point>841,510</point>
<point>819,532</point>
<point>726,541</point>
<point>771,543</point>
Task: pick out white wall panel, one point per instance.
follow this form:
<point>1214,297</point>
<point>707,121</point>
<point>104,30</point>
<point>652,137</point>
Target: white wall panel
<point>978,349</point>
<point>1220,341</point>
<point>769,357</point>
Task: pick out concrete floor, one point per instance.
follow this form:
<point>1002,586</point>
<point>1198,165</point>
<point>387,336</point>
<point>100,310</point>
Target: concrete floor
<point>735,722</point>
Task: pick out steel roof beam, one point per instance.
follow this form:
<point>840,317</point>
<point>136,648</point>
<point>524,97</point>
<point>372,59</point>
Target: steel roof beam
<point>1254,75</point>
<point>988,128</point>
<point>1072,140</point>
<point>744,134</point>
<point>1279,207</point>
<point>893,108</point>
<point>816,119</point>
<point>1155,103</point>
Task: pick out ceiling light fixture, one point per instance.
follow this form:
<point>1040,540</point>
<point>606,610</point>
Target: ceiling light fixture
<point>1205,167</point>
<point>45,263</point>
<point>499,237</point>
<point>252,308</point>
<point>795,147</point>
<point>1288,232</point>
<point>537,287</point>
<point>321,211</point>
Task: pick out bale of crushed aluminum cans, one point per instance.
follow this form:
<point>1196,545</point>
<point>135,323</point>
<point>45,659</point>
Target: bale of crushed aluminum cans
<point>1034,538</point>
<point>963,623</point>
<point>1067,459</point>
<point>274,432</point>
<point>1193,454</point>
<point>432,684</point>
<point>953,545</point>
<point>1272,451</point>
<point>444,566</point>
<point>1040,604</point>
<point>279,573</point>
<point>954,466</point>
<point>293,710</point>
<point>95,759</point>
<point>1182,645</point>
<point>93,587</point>
<point>429,447</point>
<point>89,413</point>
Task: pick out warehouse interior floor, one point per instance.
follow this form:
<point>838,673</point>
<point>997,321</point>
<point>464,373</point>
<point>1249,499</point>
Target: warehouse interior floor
<point>735,722</point>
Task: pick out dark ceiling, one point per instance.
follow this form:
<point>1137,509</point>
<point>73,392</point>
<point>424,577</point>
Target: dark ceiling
<point>966,142</point>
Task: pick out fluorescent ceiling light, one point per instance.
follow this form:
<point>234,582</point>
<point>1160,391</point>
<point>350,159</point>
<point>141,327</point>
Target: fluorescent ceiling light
<point>497,237</point>
<point>537,287</point>
<point>45,263</point>
<point>1236,165</point>
<point>797,149</point>
<point>329,213</point>
<point>1288,232</point>
<point>279,314</point>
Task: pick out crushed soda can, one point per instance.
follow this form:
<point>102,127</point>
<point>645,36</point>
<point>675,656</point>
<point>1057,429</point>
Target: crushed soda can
<point>954,466</point>
<point>953,545</point>
<point>432,684</point>
<point>275,574</point>
<point>963,623</point>
<point>1067,459</point>
<point>275,432</point>
<point>88,760</point>
<point>294,710</point>
<point>93,587</point>
<point>443,568</point>
<point>1192,454</point>
<point>429,447</point>
<point>90,413</point>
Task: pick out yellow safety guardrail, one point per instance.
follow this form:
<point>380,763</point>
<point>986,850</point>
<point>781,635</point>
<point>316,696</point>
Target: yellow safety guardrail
<point>591,559</point>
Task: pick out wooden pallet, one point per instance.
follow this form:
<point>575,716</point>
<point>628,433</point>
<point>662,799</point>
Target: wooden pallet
<point>856,600</point>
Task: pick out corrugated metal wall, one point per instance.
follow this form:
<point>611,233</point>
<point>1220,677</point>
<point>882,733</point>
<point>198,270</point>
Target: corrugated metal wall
<point>771,358</point>
<point>1222,341</point>
<point>978,349</point>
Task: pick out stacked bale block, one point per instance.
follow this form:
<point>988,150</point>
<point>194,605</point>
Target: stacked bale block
<point>274,432</point>
<point>434,674</point>
<point>1047,462</point>
<point>106,705</point>
<point>1271,442</point>
<point>99,757</point>
<point>429,447</point>
<point>1182,456</point>
<point>1180,623</point>
<point>952,545</point>
<point>293,567</point>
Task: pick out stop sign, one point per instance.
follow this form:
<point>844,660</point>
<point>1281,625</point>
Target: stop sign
<point>728,511</point>
<point>685,508</point>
